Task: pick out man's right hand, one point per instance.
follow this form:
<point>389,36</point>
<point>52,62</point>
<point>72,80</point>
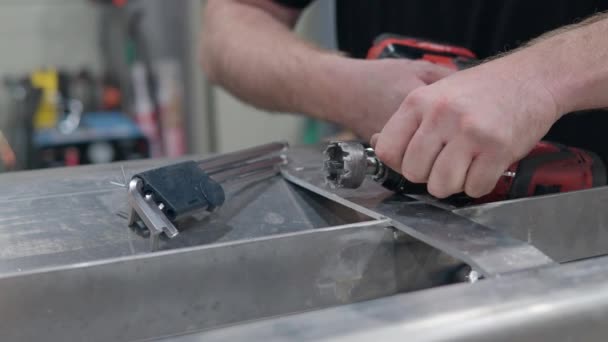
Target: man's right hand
<point>369,92</point>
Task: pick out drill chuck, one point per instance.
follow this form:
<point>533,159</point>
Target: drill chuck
<point>347,165</point>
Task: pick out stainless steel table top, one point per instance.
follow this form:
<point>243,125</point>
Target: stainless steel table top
<point>70,269</point>
<point>73,215</point>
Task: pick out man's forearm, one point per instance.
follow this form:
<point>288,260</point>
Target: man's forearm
<point>572,63</point>
<point>249,49</point>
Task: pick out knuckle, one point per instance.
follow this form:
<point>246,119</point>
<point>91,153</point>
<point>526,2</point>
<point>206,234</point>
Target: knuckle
<point>476,133</point>
<point>477,190</point>
<point>442,108</point>
<point>439,190</point>
<point>416,98</point>
<point>444,104</point>
<point>414,176</point>
<point>472,126</point>
<point>482,132</point>
<point>444,183</point>
<point>385,153</point>
<point>472,191</point>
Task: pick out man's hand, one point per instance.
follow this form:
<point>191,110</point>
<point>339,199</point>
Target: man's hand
<point>368,93</point>
<point>463,132</point>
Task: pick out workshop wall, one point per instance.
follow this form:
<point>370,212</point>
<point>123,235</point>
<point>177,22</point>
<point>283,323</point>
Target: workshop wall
<point>172,30</point>
<point>133,62</point>
<point>37,33</point>
<point>66,34</point>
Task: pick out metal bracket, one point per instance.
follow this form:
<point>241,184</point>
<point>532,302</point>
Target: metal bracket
<point>143,208</point>
<point>161,196</point>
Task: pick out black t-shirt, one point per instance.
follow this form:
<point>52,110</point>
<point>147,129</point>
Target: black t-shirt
<point>487,27</point>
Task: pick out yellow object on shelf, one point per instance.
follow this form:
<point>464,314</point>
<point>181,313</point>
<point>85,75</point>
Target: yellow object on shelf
<point>46,114</point>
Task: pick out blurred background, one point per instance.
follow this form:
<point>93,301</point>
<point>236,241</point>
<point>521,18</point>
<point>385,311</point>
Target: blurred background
<point>96,81</point>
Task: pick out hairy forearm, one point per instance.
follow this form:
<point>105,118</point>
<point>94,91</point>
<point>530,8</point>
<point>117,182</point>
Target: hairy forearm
<point>249,49</point>
<point>571,63</point>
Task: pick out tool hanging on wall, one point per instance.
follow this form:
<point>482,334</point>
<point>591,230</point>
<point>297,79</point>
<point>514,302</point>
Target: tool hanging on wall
<point>8,160</point>
<point>46,115</point>
<point>170,106</point>
<point>158,92</point>
<point>146,115</point>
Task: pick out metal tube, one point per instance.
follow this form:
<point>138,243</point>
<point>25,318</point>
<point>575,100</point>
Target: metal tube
<point>233,186</point>
<point>229,160</point>
<point>244,164</point>
<point>242,171</point>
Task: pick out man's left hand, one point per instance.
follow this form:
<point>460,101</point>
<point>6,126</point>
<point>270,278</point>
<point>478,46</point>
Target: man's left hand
<point>462,133</point>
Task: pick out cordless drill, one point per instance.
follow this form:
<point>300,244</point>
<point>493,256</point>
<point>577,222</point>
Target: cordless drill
<point>394,46</point>
<point>548,168</point>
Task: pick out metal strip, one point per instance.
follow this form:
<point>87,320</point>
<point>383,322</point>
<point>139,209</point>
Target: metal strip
<point>237,158</point>
<point>490,252</point>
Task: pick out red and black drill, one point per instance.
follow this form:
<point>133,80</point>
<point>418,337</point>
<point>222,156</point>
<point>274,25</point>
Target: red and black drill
<point>549,168</point>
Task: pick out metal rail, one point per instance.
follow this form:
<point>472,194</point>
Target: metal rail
<point>235,159</point>
<point>565,303</point>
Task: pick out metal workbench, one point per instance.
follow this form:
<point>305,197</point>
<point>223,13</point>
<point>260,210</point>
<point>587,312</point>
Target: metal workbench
<point>283,262</point>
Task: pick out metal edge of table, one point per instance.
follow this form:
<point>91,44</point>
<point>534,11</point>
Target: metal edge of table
<point>191,289</point>
<point>560,303</point>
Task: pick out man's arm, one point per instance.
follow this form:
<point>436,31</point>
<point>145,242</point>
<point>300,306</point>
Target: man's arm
<point>249,49</point>
<point>573,63</point>
<point>462,133</point>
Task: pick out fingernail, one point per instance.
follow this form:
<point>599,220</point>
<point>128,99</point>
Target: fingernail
<point>374,140</point>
